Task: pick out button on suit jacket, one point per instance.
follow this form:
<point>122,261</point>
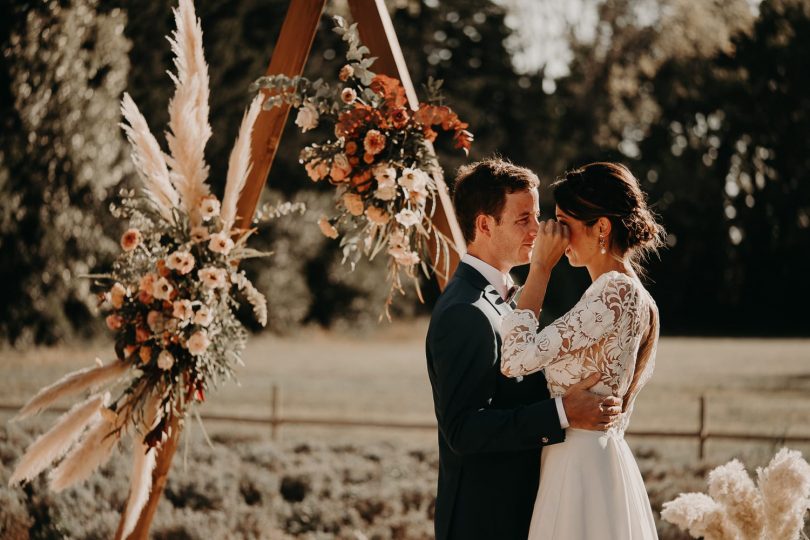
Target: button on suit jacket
<point>491,428</point>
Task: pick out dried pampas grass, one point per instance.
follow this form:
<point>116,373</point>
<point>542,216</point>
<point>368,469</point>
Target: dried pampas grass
<point>239,163</point>
<point>91,452</point>
<point>72,384</point>
<point>140,484</point>
<point>189,129</point>
<point>737,509</point>
<point>149,159</point>
<point>52,445</point>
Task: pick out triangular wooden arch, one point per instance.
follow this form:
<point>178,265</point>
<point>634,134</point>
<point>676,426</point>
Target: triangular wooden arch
<point>289,57</point>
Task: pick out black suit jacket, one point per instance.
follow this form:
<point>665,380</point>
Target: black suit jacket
<point>491,428</point>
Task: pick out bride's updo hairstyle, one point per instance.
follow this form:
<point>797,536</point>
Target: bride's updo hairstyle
<point>610,190</point>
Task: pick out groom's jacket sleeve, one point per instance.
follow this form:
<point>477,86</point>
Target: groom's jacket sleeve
<point>466,360</point>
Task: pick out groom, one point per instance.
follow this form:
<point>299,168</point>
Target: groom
<point>492,428</point>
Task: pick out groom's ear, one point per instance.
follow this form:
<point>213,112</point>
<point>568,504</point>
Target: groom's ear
<point>483,225</point>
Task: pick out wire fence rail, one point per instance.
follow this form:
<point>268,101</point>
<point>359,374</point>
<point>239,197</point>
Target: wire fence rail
<point>276,420</point>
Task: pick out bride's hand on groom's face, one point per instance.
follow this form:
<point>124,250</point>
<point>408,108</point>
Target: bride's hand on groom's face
<point>586,410</point>
<point>549,246</point>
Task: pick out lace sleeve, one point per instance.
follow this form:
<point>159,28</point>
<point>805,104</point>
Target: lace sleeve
<point>596,315</point>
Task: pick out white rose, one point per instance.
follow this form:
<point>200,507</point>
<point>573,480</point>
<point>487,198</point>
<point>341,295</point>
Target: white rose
<point>165,360</point>
<point>408,218</point>
<point>198,343</point>
<point>307,117</point>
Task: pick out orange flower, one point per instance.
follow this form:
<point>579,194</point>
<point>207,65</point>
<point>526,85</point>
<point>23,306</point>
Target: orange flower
<point>374,143</point>
<point>162,269</point>
<point>346,72</point>
<point>351,148</point>
<point>130,240</point>
<point>390,89</point>
<point>399,118</point>
<point>114,321</point>
<point>368,158</point>
<point>146,354</point>
<point>141,334</point>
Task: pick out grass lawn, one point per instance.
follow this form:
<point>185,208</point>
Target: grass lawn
<point>751,385</point>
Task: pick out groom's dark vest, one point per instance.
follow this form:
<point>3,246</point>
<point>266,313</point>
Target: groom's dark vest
<point>491,428</point>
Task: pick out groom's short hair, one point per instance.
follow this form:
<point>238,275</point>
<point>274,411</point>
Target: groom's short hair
<point>481,188</point>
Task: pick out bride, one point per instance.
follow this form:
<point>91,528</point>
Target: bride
<point>590,485</point>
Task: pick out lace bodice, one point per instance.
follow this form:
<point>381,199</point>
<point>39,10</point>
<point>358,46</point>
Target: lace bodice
<point>602,333</point>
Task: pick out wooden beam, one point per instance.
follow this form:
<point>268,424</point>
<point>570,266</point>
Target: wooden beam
<point>378,34</point>
<point>289,57</point>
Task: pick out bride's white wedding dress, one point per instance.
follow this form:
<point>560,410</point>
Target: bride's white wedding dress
<point>590,485</point>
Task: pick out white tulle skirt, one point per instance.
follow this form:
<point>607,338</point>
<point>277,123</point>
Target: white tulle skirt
<point>591,488</point>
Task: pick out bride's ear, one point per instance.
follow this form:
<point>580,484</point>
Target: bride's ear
<point>603,226</point>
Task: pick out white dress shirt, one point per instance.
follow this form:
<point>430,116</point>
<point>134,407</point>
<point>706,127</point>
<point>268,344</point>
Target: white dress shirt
<point>502,283</point>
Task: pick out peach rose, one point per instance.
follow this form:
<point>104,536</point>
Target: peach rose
<point>203,316</point>
<point>378,215</point>
<point>354,204</point>
<point>307,117</point>
<point>130,239</point>
<point>374,143</point>
<point>162,289</point>
<point>198,343</point>
<point>346,72</point>
<point>114,321</point>
<point>117,295</point>
<point>348,95</point>
<point>181,309</point>
<point>327,228</point>
<point>340,168</point>
<point>209,207</point>
<point>220,243</point>
<point>155,321</point>
<point>146,354</point>
<point>165,360</point>
<point>213,278</point>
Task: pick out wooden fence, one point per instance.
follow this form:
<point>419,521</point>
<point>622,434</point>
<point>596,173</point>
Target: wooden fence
<point>276,420</point>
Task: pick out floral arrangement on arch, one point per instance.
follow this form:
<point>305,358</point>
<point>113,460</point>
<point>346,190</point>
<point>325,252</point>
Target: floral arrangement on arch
<point>737,509</point>
<point>381,160</point>
<point>170,296</point>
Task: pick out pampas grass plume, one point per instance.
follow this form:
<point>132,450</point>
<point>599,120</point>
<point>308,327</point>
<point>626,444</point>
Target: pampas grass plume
<point>731,486</point>
<point>91,452</point>
<point>52,445</point>
<point>71,384</point>
<point>140,484</point>
<point>785,487</point>
<point>148,159</point>
<point>239,163</point>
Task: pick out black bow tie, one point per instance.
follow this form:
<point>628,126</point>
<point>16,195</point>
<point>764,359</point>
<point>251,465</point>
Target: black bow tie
<point>510,295</point>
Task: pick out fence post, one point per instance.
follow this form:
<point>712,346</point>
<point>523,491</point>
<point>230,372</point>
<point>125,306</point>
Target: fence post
<point>273,411</point>
<point>703,432</point>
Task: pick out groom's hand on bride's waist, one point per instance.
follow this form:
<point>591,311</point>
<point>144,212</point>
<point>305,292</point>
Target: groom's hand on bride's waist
<point>586,410</point>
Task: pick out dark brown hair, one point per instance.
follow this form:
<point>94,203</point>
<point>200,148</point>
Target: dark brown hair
<point>481,188</point>
<point>611,191</point>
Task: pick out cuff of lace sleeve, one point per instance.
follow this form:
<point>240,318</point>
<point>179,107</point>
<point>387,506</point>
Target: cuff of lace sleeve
<point>524,319</point>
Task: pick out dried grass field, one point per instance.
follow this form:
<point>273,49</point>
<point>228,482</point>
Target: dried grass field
<point>319,482</point>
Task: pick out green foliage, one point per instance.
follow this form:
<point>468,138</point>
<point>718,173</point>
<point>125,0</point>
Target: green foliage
<point>60,153</point>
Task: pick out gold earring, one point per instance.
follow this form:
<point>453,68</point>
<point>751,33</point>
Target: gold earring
<point>602,247</point>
